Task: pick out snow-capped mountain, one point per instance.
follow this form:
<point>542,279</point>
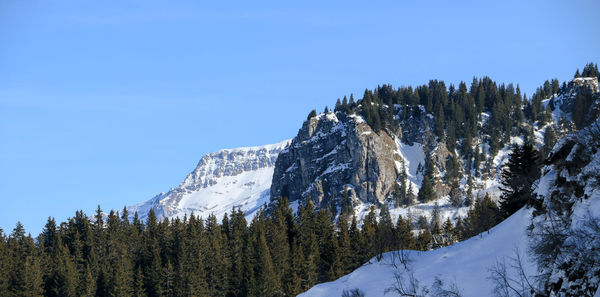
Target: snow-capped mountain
<point>226,179</point>
<point>338,153</point>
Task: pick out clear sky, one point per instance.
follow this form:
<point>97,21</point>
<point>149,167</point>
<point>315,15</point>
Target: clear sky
<point>112,102</point>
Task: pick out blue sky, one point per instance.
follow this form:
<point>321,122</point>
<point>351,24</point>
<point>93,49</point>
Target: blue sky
<point>112,102</point>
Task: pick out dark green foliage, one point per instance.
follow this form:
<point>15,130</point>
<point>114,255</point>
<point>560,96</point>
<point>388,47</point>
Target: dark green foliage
<point>521,170</point>
<point>484,215</point>
<point>462,116</point>
<point>426,192</point>
<point>280,254</point>
<point>581,108</point>
<point>23,276</point>
<point>404,237</point>
<point>549,141</point>
<point>385,232</point>
<point>452,169</point>
<point>456,195</point>
<point>424,240</point>
<point>590,70</point>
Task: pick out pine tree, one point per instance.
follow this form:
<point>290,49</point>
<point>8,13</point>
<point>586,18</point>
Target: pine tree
<point>402,187</point>
<point>138,284</point>
<point>424,240</point>
<point>422,222</point>
<point>456,195</point>
<point>484,215</point>
<point>581,108</point>
<point>356,243</point>
<point>368,235</point>
<point>549,140</point>
<point>292,283</point>
<point>87,286</point>
<point>66,272</point>
<point>490,214</point>
<point>435,217</point>
<point>236,242</point>
<point>459,230</point>
<point>269,282</point>
<point>448,232</point>
<point>344,244</point>
<point>347,208</point>
<point>426,192</point>
<point>4,265</point>
<point>327,245</point>
<point>167,287</point>
<point>151,258</point>
<point>410,195</point>
<point>24,274</point>
<point>214,258</point>
<point>521,170</point>
<point>309,245</point>
<point>404,237</point>
<point>384,232</point>
<point>277,233</point>
<point>119,267</point>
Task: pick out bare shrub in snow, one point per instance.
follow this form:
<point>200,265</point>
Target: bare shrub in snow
<point>400,257</point>
<point>439,290</point>
<point>353,293</point>
<point>407,285</point>
<point>510,279</point>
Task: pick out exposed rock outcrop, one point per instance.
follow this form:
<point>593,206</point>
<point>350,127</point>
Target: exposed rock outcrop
<point>335,152</point>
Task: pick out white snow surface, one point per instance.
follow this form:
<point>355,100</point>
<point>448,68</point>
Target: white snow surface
<point>412,156</point>
<point>465,263</point>
<point>227,179</point>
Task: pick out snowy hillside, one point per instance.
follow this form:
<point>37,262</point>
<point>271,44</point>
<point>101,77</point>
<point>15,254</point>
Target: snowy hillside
<point>557,241</point>
<point>463,267</point>
<point>464,264</point>
<point>229,178</point>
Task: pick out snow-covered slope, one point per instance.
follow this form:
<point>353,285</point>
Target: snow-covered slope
<point>465,264</point>
<point>558,241</point>
<point>464,267</point>
<point>565,233</point>
<point>229,178</point>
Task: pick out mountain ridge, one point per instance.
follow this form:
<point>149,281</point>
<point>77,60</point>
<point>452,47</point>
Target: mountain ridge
<point>336,151</point>
<point>231,178</point>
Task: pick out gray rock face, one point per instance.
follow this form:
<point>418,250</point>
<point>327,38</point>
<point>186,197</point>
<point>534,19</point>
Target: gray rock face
<point>566,100</point>
<point>333,153</point>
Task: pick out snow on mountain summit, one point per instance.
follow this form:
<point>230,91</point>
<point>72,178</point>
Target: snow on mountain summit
<point>222,180</point>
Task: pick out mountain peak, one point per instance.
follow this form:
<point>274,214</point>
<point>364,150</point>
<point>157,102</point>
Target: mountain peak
<point>226,179</point>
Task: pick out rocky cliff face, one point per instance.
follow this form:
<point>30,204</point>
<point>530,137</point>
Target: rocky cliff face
<point>565,232</point>
<point>562,104</point>
<point>336,152</point>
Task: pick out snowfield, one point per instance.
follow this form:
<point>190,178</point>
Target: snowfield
<point>465,264</point>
